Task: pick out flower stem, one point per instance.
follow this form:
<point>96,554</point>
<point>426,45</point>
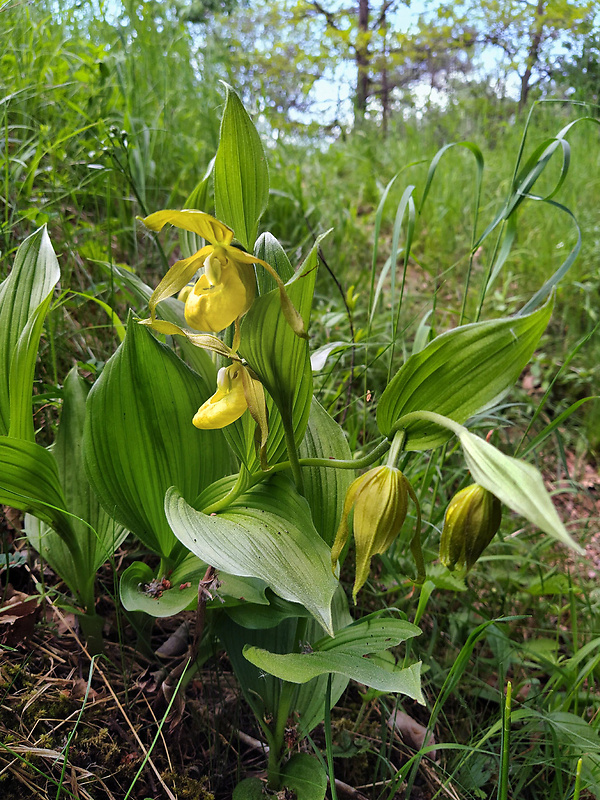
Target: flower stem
<point>246,481</point>
<point>294,461</point>
<point>396,448</point>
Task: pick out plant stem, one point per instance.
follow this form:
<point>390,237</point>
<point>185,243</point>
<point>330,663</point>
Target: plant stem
<point>504,758</point>
<point>328,740</point>
<point>276,743</point>
<point>294,462</point>
<point>396,448</point>
<point>245,481</point>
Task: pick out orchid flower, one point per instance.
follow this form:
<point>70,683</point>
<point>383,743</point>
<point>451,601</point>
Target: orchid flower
<point>238,390</point>
<point>227,287</point>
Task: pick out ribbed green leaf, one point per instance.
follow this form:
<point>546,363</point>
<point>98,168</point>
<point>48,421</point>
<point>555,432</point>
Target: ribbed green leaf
<point>135,595</point>
<point>97,533</point>
<point>139,439</point>
<point>305,776</point>
<point>248,789</point>
<point>268,248</point>
<point>268,534</point>
<point>25,297</point>
<point>171,310</point>
<point>29,481</point>
<point>262,690</point>
<point>279,357</point>
<point>241,173</point>
<point>325,488</point>
<point>459,374</point>
<point>371,634</point>
<point>517,484</point>
<point>303,667</point>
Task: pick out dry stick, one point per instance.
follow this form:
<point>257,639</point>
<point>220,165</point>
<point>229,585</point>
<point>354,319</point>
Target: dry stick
<point>99,671</point>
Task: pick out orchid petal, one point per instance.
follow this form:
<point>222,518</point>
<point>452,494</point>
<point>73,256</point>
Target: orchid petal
<point>205,340</point>
<point>178,276</point>
<point>191,220</point>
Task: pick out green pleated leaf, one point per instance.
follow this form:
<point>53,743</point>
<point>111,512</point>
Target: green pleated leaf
<point>371,634</point>
<point>345,654</point>
<point>29,481</point>
<point>248,789</point>
<point>303,667</point>
<point>199,198</point>
<point>459,374</point>
<point>241,172</point>
<point>139,439</point>
<point>262,690</point>
<point>171,310</point>
<point>517,484</point>
<point>97,533</point>
<point>268,248</point>
<point>25,297</point>
<point>279,357</point>
<point>325,488</point>
<point>268,534</point>
<point>137,592</point>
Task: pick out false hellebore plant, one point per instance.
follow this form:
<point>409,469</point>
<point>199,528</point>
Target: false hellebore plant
<point>227,462</point>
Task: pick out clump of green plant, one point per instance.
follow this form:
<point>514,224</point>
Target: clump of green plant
<point>247,494</point>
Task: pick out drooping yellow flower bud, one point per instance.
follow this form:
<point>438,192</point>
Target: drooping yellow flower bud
<point>227,404</point>
<point>380,501</point>
<point>472,520</point>
<point>222,294</point>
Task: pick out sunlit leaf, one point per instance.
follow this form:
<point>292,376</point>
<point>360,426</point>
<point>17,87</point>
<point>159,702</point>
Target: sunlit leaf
<point>241,173</point>
<point>459,374</point>
<point>29,481</point>
<point>268,534</point>
<point>97,533</point>
<point>302,667</point>
<point>517,484</point>
<point>25,297</point>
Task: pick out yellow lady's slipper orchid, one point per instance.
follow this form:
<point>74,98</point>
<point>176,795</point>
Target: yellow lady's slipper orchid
<point>237,390</point>
<point>226,289</point>
<point>222,294</point>
<point>380,501</point>
<point>227,404</point>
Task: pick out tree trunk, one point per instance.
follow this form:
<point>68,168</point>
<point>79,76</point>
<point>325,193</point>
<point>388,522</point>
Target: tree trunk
<point>362,60</point>
<point>533,53</point>
<point>385,84</point>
